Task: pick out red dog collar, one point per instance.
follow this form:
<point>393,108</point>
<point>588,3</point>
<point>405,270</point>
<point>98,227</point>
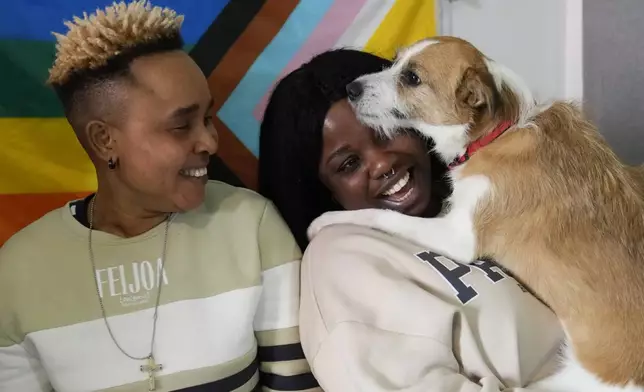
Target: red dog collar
<point>480,143</point>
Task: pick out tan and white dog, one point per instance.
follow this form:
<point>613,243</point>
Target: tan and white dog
<point>534,187</point>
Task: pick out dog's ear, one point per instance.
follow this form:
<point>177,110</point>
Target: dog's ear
<point>476,90</point>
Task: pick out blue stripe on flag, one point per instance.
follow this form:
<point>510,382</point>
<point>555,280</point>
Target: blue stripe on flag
<point>35,20</point>
<point>237,111</point>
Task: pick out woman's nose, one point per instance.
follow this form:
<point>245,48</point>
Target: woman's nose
<point>208,141</point>
<point>381,166</point>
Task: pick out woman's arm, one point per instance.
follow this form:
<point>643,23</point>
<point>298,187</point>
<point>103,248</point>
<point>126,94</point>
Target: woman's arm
<point>369,322</point>
<point>20,367</point>
<point>359,357</point>
<point>282,363</point>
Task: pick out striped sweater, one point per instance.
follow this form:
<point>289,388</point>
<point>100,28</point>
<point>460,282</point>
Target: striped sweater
<point>228,314</point>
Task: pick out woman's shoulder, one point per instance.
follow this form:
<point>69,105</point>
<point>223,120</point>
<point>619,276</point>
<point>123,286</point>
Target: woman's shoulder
<point>219,190</point>
<point>222,197</point>
<point>337,240</point>
<point>350,260</point>
<point>30,248</point>
<point>236,210</point>
<point>37,235</point>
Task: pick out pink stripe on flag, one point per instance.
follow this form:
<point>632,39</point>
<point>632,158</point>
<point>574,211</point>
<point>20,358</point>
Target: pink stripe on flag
<point>326,34</point>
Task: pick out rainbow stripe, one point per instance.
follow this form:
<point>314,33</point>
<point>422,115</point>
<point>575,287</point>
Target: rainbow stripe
<point>243,46</point>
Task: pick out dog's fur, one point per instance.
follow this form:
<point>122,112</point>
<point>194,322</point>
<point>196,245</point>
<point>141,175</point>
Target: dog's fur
<point>548,200</point>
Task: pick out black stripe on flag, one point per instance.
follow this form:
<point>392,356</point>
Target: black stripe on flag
<point>223,32</point>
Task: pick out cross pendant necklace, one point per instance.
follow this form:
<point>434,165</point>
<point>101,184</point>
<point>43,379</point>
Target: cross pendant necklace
<point>150,368</point>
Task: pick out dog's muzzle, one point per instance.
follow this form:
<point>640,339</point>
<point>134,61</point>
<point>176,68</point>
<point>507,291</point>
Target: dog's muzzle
<point>398,114</point>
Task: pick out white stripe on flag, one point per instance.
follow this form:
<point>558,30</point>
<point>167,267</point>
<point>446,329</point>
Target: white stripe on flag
<point>364,25</point>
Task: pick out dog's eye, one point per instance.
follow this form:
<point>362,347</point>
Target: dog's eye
<point>410,78</point>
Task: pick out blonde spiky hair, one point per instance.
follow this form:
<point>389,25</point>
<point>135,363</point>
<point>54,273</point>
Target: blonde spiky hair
<point>95,39</point>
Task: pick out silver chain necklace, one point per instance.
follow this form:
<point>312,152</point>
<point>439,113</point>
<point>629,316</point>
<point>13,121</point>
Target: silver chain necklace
<point>151,366</point>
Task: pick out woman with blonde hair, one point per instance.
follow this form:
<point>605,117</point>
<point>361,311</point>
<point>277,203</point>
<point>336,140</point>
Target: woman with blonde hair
<point>161,279</point>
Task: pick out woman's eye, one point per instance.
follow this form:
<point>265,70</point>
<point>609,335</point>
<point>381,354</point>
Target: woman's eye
<point>349,165</point>
<point>181,128</point>
<point>207,120</point>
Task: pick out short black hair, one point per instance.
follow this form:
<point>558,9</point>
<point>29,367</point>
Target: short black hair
<point>290,142</point>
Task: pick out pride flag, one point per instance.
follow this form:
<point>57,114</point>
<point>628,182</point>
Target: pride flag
<point>243,46</point>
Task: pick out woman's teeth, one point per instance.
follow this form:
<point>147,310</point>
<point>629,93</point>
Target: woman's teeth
<point>397,186</point>
<point>194,172</point>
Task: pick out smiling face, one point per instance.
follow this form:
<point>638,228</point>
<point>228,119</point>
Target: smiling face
<point>166,137</point>
<point>364,171</point>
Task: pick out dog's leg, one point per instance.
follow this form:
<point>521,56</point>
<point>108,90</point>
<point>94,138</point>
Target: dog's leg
<point>573,377</point>
<point>452,235</point>
<point>444,235</point>
<point>558,382</point>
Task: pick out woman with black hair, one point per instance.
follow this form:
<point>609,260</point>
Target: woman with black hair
<point>306,170</point>
<point>379,313</point>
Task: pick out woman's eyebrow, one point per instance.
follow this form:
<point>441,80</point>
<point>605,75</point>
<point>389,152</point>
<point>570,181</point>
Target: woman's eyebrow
<point>184,111</point>
<point>189,110</point>
<point>342,150</point>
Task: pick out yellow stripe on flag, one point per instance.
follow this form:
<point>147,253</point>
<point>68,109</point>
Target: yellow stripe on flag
<point>406,22</point>
<point>42,155</point>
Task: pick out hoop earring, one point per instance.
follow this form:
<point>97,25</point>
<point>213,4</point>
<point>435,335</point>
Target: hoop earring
<point>111,164</point>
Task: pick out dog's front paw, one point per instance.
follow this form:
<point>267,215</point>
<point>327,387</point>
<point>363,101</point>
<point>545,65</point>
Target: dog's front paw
<point>554,383</point>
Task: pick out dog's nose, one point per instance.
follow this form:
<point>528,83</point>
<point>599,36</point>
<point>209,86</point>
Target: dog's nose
<point>354,90</point>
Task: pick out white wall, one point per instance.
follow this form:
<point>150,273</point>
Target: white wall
<point>614,73</point>
<point>541,40</point>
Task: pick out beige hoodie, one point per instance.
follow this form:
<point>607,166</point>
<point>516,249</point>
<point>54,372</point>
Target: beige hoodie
<point>379,313</point>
